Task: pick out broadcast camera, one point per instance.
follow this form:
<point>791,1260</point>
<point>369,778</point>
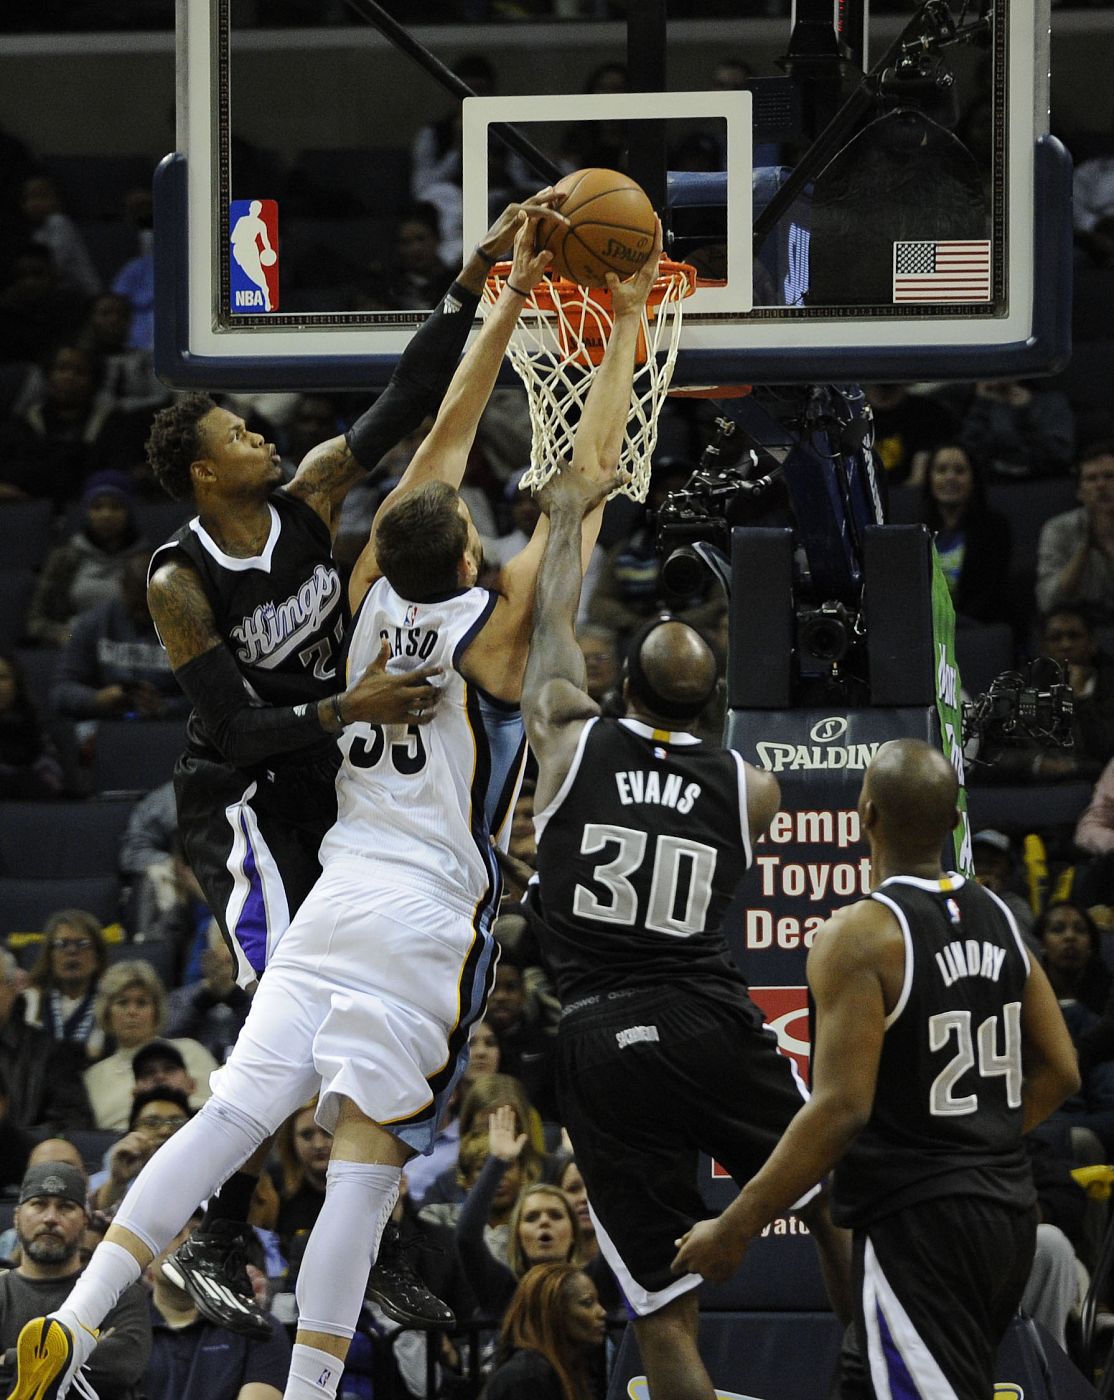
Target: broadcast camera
<point>1033,706</point>
<point>715,498</point>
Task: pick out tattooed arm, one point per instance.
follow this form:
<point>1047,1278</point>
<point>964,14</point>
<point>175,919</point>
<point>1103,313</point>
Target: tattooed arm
<point>245,732</point>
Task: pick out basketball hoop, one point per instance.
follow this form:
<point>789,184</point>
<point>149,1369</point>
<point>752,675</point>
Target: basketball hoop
<point>557,348</point>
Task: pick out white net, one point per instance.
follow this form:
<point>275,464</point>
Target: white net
<point>556,350</point>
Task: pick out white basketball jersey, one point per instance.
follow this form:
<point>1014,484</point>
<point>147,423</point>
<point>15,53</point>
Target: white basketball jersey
<point>422,802</point>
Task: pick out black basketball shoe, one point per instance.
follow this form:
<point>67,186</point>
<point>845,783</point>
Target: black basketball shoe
<point>212,1268</point>
<point>400,1292</point>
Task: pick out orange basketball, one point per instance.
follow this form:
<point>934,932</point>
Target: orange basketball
<point>611,227</point>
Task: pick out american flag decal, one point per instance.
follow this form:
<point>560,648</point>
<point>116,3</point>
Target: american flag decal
<point>935,272</point>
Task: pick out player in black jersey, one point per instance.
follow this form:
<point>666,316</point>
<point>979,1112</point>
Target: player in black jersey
<point>644,833</point>
<point>938,1043</point>
<point>251,609</point>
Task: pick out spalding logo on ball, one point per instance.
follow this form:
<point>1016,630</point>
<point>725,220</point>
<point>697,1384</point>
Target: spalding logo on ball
<point>611,227</point>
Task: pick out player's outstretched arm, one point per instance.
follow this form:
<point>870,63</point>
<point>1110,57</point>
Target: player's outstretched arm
<point>444,453</point>
<point>422,376</point>
<point>599,434</point>
<point>1048,1059</point>
<point>596,446</point>
<point>845,975</point>
<point>554,701</point>
<point>246,733</point>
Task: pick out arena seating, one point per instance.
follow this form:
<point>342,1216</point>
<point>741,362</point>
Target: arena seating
<point>26,903</point>
<point>43,839</point>
<point>134,756</point>
<point>25,533</point>
<point>16,589</point>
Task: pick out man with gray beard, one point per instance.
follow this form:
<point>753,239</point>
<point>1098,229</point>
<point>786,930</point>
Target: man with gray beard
<point>50,1222</point>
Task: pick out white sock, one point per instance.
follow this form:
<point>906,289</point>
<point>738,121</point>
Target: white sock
<point>313,1375</point>
<point>97,1291</point>
<point>343,1243</point>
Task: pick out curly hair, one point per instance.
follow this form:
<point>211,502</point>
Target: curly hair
<point>174,442</point>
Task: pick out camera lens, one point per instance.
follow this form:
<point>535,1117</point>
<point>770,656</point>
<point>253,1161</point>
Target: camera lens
<point>683,572</point>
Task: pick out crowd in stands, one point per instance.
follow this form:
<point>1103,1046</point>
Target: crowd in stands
<point>113,1017</point>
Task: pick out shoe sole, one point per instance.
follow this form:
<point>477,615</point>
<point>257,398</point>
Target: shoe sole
<point>215,1309</point>
<point>43,1354</point>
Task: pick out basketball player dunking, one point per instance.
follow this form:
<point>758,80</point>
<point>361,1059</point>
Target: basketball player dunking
<point>371,991</point>
<point>644,832</point>
<point>938,1043</point>
<point>250,608</point>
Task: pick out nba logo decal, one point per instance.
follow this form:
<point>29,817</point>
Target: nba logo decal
<point>411,615</point>
<point>253,263</point>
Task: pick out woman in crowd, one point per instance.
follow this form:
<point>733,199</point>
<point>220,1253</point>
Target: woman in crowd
<point>1073,960</point>
<point>541,1226</point>
<point>572,1184</point>
<point>87,569</point>
<point>488,1092</point>
<point>303,1153</point>
<point>1072,956</point>
<point>483,1059</point>
<point>62,985</point>
<point>29,767</point>
<point>972,541</point>
<point>551,1340</point>
<point>130,1013</point>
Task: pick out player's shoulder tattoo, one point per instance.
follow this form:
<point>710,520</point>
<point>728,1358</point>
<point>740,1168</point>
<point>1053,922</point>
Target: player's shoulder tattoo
<point>326,472</point>
<point>181,612</point>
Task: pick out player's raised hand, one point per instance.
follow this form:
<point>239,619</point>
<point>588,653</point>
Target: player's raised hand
<point>503,1140</point>
<point>380,696</point>
<point>709,1251</point>
<point>528,265</point>
<point>629,297</point>
<point>541,208</point>
<point>575,490</point>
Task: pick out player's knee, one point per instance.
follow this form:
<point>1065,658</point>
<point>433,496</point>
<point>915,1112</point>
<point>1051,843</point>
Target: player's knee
<point>236,1121</point>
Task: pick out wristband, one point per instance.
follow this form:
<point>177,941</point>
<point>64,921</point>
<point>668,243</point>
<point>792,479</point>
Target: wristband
<point>484,257</point>
<point>517,290</point>
<point>336,710</point>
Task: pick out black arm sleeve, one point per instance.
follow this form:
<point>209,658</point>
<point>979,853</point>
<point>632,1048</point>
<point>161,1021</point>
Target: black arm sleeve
<point>418,384</point>
<point>244,733</point>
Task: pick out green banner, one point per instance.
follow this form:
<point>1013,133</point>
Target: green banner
<point>948,705</point>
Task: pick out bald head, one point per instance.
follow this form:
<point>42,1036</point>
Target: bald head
<point>913,790</point>
<point>673,674</point>
<point>56,1150</point>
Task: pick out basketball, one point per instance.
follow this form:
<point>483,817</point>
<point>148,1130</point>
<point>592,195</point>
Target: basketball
<point>611,227</point>
<point>268,257</point>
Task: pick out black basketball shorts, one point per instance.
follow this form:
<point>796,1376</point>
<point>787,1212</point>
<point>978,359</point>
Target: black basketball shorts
<point>648,1081</point>
<point>253,846</point>
<point>936,1285</point>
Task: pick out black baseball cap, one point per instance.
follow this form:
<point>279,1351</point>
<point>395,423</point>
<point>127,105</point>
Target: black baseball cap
<point>157,1052</point>
<point>60,1179</point>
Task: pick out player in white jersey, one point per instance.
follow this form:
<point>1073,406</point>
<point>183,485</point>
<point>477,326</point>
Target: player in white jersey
<point>374,985</point>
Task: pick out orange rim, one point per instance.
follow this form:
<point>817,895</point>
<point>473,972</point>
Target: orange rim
<point>552,292</point>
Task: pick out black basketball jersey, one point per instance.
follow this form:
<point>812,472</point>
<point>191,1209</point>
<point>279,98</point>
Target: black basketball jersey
<point>281,613</point>
<point>947,1108</point>
<point>639,855</point>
